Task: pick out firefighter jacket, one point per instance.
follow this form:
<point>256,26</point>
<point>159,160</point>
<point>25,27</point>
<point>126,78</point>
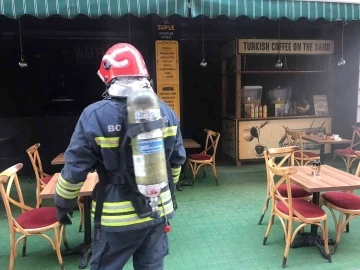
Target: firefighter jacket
<point>98,136</point>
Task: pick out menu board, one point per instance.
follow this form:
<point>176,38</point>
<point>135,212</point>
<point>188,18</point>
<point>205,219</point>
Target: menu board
<point>167,73</point>
<point>321,105</point>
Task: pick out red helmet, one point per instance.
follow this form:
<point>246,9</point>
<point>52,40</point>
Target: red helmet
<point>122,59</point>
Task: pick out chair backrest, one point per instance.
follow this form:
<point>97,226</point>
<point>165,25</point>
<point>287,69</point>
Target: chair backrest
<point>355,140</point>
<point>294,138</point>
<point>284,173</point>
<point>212,140</point>
<point>36,162</point>
<point>284,155</point>
<point>8,178</point>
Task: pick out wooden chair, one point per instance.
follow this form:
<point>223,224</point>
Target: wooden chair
<point>302,157</point>
<point>346,203</point>
<point>31,221</point>
<point>290,210</point>
<point>196,161</point>
<point>287,156</point>
<point>348,154</point>
<point>41,178</point>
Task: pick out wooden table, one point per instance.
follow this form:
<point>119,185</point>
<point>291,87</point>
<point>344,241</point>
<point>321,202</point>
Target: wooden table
<point>49,191</point>
<point>85,191</point>
<point>330,179</point>
<point>188,144</point>
<point>322,141</point>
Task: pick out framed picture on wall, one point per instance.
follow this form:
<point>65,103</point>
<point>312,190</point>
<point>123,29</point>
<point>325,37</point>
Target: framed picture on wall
<point>321,105</point>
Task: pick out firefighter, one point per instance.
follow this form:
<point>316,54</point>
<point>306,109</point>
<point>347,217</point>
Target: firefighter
<point>122,220</point>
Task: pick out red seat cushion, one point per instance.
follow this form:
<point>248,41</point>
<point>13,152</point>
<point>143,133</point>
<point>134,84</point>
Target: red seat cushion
<point>199,157</point>
<point>345,152</point>
<point>309,154</point>
<point>296,191</point>
<point>46,179</point>
<point>305,208</point>
<point>37,218</point>
<point>343,200</point>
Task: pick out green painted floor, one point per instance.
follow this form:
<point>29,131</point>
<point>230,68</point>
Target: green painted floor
<point>215,228</point>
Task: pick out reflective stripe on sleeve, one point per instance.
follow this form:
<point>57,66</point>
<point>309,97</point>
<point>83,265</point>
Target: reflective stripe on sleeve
<point>123,213</point>
<point>107,142</point>
<point>176,174</point>
<point>169,131</point>
<point>67,190</point>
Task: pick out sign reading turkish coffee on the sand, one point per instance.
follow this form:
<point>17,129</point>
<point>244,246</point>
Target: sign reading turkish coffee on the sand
<point>272,46</point>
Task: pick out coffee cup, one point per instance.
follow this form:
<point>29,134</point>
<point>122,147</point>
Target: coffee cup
<point>335,136</point>
<point>259,149</point>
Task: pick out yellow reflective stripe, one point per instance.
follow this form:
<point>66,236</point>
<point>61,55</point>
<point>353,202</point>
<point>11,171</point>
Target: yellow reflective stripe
<point>169,131</point>
<point>121,221</point>
<point>176,171</point>
<point>123,207</point>
<point>176,174</point>
<point>176,178</point>
<point>67,190</point>
<point>68,185</point>
<point>107,142</point>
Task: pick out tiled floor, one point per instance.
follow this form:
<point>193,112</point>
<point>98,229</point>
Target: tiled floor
<point>215,228</point>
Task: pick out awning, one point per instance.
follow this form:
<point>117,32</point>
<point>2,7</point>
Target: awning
<point>92,8</point>
<point>274,9</point>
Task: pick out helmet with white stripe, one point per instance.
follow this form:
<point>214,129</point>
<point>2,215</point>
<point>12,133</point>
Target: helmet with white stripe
<point>122,60</point>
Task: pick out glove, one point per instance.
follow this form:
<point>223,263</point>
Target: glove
<point>62,216</point>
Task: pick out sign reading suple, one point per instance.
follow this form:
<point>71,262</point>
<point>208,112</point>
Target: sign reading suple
<point>272,46</point>
<point>167,73</point>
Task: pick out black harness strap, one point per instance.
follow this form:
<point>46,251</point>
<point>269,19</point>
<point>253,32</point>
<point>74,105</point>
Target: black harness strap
<point>139,201</point>
<point>134,129</point>
<point>100,197</point>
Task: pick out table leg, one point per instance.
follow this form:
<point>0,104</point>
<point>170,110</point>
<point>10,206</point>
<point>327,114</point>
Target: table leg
<point>85,248</point>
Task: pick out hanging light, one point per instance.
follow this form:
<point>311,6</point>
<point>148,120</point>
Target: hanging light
<point>22,62</point>
<point>203,62</point>
<point>278,63</point>
<point>342,61</point>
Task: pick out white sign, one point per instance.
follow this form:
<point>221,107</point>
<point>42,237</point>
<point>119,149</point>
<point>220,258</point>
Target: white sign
<point>272,46</point>
<point>321,105</point>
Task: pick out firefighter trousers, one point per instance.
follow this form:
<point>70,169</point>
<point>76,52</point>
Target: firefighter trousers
<point>148,247</point>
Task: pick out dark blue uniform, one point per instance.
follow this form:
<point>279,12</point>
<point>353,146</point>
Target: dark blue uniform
<point>97,137</point>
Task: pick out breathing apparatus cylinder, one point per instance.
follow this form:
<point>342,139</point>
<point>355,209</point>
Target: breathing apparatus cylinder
<point>147,147</point>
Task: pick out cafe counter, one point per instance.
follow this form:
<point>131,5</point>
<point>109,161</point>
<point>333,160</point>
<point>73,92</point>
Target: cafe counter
<point>246,139</point>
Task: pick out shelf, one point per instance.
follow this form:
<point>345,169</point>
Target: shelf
<point>62,100</point>
<point>283,71</point>
<point>284,117</point>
